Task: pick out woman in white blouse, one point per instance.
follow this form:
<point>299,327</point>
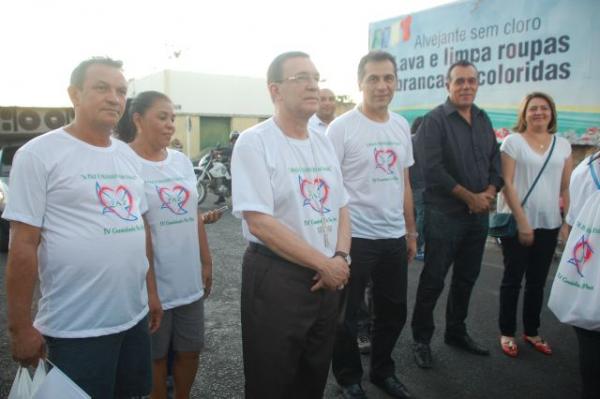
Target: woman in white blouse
<point>529,253</point>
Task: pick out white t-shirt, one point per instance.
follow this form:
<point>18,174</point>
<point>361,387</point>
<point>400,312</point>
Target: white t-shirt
<point>298,182</point>
<point>315,124</point>
<point>172,198</point>
<point>88,202</point>
<point>373,157</point>
<point>542,207</point>
<point>581,187</point>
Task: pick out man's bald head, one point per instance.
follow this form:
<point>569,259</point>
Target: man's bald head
<point>326,111</point>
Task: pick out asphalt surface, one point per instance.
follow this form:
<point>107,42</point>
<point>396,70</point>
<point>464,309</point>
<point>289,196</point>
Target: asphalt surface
<point>455,374</point>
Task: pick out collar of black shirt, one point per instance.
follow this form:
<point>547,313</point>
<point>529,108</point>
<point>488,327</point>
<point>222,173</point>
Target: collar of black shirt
<point>449,108</point>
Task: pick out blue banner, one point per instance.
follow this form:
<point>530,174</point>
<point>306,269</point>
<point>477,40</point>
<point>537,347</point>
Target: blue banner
<point>518,47</point>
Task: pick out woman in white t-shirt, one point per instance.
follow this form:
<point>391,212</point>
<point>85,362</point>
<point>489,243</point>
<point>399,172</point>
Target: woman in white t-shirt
<point>529,254</point>
<point>181,257</point>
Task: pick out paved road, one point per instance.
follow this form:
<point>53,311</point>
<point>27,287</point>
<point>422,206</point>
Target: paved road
<point>455,374</point>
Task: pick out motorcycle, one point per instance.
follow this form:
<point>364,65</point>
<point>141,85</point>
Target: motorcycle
<point>212,174</point>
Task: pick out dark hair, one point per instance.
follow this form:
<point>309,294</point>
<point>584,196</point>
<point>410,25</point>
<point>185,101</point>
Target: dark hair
<point>459,63</point>
<point>521,125</point>
<point>275,71</point>
<point>139,105</point>
<point>375,56</point>
<point>78,74</point>
<point>415,125</point>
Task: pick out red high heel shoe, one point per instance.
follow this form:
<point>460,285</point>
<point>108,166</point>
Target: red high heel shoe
<point>540,346</point>
<point>509,346</point>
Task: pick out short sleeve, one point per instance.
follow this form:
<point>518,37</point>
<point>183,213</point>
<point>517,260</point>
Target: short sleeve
<point>27,190</point>
<point>510,146</point>
<point>251,181</point>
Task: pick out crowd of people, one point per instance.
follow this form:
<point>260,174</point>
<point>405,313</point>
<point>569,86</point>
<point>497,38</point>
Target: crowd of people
<point>333,209</point>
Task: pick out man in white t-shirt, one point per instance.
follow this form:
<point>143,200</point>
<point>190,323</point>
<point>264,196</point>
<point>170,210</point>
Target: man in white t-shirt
<point>325,114</point>
<point>288,190</point>
<point>374,148</point>
<point>76,221</point>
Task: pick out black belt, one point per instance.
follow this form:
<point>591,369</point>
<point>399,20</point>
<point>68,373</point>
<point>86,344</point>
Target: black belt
<point>263,250</point>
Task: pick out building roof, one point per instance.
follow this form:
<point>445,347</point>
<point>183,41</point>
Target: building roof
<point>206,94</point>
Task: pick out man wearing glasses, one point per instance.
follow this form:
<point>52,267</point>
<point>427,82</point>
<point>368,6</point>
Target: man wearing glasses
<point>375,151</point>
<point>288,190</point>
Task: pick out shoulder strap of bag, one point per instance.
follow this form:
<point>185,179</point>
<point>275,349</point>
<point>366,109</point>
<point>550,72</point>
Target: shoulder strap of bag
<point>540,173</point>
<point>593,170</point>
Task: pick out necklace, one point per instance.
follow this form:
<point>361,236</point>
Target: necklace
<point>324,228</point>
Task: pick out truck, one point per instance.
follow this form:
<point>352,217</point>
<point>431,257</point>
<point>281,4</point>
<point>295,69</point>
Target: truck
<point>17,126</point>
<point>517,46</point>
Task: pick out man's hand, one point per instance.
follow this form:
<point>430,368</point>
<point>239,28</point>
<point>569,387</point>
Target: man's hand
<point>211,216</point>
<point>155,312</point>
<point>27,346</point>
<point>333,275</point>
<point>411,246</point>
<point>480,202</point>
<point>207,278</point>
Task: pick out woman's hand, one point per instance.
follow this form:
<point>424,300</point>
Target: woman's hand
<point>526,237</point>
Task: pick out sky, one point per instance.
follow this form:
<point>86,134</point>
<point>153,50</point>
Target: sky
<point>42,41</point>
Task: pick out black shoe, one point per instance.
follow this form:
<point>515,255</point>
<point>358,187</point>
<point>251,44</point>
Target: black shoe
<point>393,387</point>
<point>422,354</point>
<point>353,391</point>
<point>466,343</point>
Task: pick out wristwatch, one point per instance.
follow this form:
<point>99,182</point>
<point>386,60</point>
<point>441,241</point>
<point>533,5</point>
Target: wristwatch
<point>344,256</point>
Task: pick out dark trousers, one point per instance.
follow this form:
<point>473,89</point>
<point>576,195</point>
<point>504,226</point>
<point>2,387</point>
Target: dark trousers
<point>383,262</point>
<point>458,239</point>
<point>287,330</point>
<point>532,262</point>
<point>419,205</point>
<point>589,362</point>
<point>109,366</point>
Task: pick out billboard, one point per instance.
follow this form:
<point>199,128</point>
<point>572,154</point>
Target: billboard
<point>518,47</point>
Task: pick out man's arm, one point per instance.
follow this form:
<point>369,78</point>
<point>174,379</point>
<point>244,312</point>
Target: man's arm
<point>409,219</point>
<point>154,305</point>
<point>205,256</point>
<point>333,272</point>
<point>27,344</point>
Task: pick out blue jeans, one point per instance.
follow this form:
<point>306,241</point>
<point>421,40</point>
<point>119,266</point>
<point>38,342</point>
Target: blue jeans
<point>110,366</point>
<point>449,239</point>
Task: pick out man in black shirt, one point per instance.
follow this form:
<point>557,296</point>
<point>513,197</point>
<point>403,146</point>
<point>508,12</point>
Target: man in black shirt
<point>457,150</point>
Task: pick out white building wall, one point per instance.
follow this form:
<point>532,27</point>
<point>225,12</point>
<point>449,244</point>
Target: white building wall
<point>203,94</point>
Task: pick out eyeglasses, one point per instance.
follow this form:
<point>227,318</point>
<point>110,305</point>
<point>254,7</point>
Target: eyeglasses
<point>303,78</point>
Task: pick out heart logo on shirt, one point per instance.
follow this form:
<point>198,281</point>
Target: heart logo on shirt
<point>582,252</point>
<point>117,201</point>
<point>385,160</point>
<point>174,199</point>
<point>315,193</point>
